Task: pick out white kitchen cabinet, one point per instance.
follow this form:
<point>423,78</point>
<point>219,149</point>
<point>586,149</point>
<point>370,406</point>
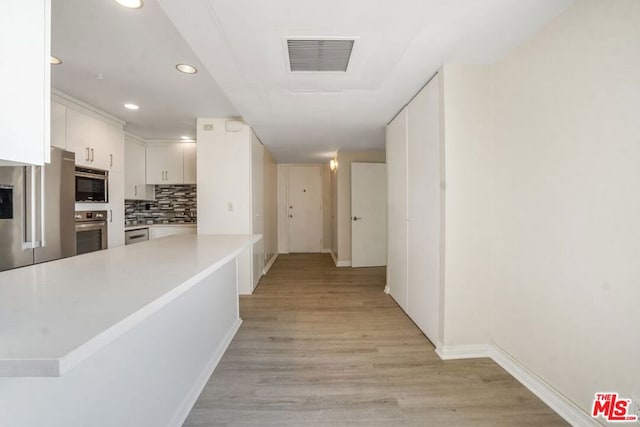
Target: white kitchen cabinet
<point>25,81</point>
<point>166,163</point>
<point>115,210</point>
<point>135,187</point>
<point>58,125</point>
<point>158,231</point>
<point>189,161</point>
<point>414,208</point>
<point>97,143</point>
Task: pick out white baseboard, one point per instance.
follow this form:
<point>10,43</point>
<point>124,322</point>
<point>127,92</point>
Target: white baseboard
<point>326,251</point>
<point>452,352</point>
<point>335,260</point>
<point>387,290</point>
<point>339,263</point>
<point>269,264</point>
<point>198,386</point>
<point>549,395</point>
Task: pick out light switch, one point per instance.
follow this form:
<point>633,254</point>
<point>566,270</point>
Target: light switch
<point>229,206</point>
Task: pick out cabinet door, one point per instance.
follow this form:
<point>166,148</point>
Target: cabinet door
<point>107,145</point>
<point>115,214</point>
<point>155,164</point>
<point>423,226</point>
<point>78,130</point>
<point>189,161</point>
<point>257,178</point>
<point>174,164</point>
<point>24,81</point>
<point>58,125</point>
<point>396,148</point>
<point>134,171</point>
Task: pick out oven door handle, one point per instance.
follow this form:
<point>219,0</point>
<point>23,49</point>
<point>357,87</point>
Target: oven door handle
<point>92,175</point>
<point>96,225</point>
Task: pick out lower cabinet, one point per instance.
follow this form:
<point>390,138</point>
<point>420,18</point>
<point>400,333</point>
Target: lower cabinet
<point>158,231</point>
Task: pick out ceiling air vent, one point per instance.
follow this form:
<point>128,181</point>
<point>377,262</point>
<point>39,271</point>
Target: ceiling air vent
<point>319,55</point>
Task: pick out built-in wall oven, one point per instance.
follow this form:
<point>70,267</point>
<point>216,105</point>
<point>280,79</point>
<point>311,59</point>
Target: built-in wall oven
<point>91,231</point>
<point>92,185</point>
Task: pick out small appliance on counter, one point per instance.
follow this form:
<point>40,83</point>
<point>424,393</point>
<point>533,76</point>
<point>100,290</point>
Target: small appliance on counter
<point>91,231</point>
<point>36,211</point>
<point>92,185</point>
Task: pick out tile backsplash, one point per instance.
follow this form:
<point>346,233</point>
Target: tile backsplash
<point>174,204</point>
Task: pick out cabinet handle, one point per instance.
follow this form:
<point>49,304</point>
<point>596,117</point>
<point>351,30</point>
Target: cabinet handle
<point>135,190</point>
<point>92,155</point>
<point>88,157</point>
<point>110,159</point>
<point>166,175</point>
<point>110,215</point>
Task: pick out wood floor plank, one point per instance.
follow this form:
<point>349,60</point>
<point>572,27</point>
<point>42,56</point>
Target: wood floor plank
<point>325,346</point>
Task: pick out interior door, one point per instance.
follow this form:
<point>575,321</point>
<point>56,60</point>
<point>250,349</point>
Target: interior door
<point>305,208</point>
<point>424,204</point>
<point>368,214</point>
<point>396,148</point>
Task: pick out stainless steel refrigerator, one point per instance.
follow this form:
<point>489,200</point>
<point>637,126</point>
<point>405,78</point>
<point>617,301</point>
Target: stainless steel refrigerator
<point>37,205</point>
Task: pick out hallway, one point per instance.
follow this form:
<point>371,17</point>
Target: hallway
<point>325,346</point>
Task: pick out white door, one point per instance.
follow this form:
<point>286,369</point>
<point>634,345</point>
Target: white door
<point>304,208</point>
<point>396,144</point>
<point>424,204</point>
<point>368,214</point>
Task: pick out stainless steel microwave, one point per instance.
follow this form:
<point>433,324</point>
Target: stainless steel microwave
<point>92,185</point>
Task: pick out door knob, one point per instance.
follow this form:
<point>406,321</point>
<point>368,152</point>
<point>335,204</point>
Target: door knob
<point>290,216</point>
<point>355,218</point>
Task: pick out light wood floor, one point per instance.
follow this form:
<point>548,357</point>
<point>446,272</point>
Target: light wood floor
<point>324,346</point>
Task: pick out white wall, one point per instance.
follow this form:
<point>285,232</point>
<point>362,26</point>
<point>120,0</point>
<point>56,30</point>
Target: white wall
<point>568,201</point>
<point>543,202</point>
<point>334,214</point>
<point>343,195</point>
<point>270,196</point>
<point>469,202</point>
<point>283,233</point>
<point>224,178</point>
<point>326,208</point>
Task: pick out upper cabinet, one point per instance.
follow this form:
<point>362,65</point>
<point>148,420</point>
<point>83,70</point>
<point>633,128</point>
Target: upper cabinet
<point>135,187</point>
<point>25,81</point>
<point>189,163</point>
<point>98,144</point>
<point>171,163</point>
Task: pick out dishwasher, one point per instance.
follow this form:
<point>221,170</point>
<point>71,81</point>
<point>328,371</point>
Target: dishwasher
<point>135,236</point>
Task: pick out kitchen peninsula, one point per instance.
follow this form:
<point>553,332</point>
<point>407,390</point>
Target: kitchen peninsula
<point>126,336</point>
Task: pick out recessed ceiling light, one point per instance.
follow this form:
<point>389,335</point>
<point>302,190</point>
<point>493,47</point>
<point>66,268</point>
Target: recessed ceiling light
<point>131,4</point>
<point>54,61</point>
<point>186,68</point>
<point>131,106</point>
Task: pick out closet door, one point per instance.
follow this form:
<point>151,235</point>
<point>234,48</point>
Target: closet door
<point>423,213</point>
<point>396,146</point>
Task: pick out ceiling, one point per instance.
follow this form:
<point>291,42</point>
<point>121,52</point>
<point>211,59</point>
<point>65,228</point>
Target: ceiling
<point>240,49</point>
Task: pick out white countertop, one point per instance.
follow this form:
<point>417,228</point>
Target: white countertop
<point>55,315</point>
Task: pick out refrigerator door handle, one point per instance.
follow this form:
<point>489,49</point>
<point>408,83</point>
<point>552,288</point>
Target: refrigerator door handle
<point>29,241</point>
